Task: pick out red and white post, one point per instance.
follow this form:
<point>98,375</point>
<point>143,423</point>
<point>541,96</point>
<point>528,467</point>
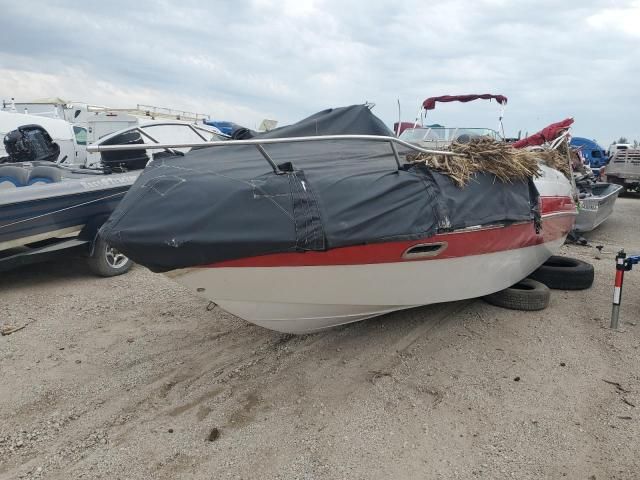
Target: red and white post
<point>617,287</point>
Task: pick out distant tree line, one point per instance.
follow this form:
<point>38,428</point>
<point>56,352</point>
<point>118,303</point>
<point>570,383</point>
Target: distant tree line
<point>626,140</point>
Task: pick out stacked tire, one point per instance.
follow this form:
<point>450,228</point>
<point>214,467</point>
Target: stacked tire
<point>565,273</point>
<point>528,295</point>
<point>532,293</point>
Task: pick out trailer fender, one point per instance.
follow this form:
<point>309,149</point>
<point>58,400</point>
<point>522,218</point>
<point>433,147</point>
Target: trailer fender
<point>91,229</point>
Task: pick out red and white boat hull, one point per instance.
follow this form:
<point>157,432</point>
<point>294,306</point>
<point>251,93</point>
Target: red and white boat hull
<point>306,292</point>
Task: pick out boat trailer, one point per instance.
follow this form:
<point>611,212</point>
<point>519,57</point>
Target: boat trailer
<point>624,263</point>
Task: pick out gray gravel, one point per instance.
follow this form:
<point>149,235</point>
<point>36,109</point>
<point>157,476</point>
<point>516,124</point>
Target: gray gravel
<point>126,378</point>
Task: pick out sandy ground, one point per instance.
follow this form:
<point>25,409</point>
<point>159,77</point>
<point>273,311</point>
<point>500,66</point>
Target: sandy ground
<point>127,378</point>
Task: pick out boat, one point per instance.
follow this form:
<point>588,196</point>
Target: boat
<point>42,200</point>
<point>595,199</point>
<point>49,201</point>
<point>61,132</point>
<point>329,221</point>
<point>596,202</point>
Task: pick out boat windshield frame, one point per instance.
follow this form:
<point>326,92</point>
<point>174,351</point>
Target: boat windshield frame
<point>146,132</point>
<point>436,136</point>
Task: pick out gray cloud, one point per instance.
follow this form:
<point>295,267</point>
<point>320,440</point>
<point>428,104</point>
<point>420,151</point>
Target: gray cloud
<point>285,60</point>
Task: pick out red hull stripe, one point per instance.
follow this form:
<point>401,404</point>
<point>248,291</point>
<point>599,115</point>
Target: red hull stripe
<point>458,244</point>
<point>556,204</point>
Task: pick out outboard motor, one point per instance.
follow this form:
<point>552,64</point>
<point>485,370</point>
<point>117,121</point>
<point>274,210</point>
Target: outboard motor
<point>125,160</point>
<point>30,143</point>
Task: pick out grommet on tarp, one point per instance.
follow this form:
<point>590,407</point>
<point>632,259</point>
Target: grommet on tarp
<point>211,306</point>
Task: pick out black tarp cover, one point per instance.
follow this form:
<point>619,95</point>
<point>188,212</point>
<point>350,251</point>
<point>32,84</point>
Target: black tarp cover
<point>354,120</point>
<point>223,203</point>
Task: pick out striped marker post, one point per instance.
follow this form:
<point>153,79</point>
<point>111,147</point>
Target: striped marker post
<point>617,287</point>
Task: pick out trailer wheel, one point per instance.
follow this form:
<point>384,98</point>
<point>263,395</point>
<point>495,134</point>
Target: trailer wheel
<point>525,295</point>
<point>106,261</point>
<point>565,273</point>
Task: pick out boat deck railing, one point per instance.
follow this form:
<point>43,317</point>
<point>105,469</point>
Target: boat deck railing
<point>260,143</point>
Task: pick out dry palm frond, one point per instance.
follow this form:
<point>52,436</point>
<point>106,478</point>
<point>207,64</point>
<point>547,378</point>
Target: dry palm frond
<point>483,155</point>
<point>555,159</point>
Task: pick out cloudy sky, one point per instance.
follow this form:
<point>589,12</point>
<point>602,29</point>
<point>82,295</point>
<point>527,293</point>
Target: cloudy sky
<point>255,59</point>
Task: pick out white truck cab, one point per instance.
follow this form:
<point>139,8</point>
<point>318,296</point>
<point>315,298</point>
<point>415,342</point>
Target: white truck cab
<point>617,147</point>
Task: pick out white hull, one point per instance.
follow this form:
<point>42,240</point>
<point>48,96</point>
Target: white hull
<point>304,299</point>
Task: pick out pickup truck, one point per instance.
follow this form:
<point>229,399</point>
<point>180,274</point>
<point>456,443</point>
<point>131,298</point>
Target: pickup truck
<point>624,166</point>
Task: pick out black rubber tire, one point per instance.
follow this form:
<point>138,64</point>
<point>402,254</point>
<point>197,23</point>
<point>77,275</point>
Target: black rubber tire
<point>565,273</point>
<point>527,295</point>
<point>99,261</point>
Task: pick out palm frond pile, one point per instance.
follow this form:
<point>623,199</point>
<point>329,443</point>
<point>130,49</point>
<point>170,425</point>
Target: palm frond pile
<point>555,159</point>
<point>487,155</point>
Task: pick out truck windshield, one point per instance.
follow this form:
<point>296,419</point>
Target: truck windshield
<point>80,134</point>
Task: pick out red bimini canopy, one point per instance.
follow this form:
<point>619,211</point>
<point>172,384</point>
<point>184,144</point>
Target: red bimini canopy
<point>547,134</point>
<point>430,103</point>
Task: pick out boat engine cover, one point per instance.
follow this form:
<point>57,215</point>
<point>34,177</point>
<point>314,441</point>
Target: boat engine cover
<point>30,143</point>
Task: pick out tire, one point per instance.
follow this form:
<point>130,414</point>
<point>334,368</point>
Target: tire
<point>527,295</point>
<point>565,273</point>
<point>106,261</point>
